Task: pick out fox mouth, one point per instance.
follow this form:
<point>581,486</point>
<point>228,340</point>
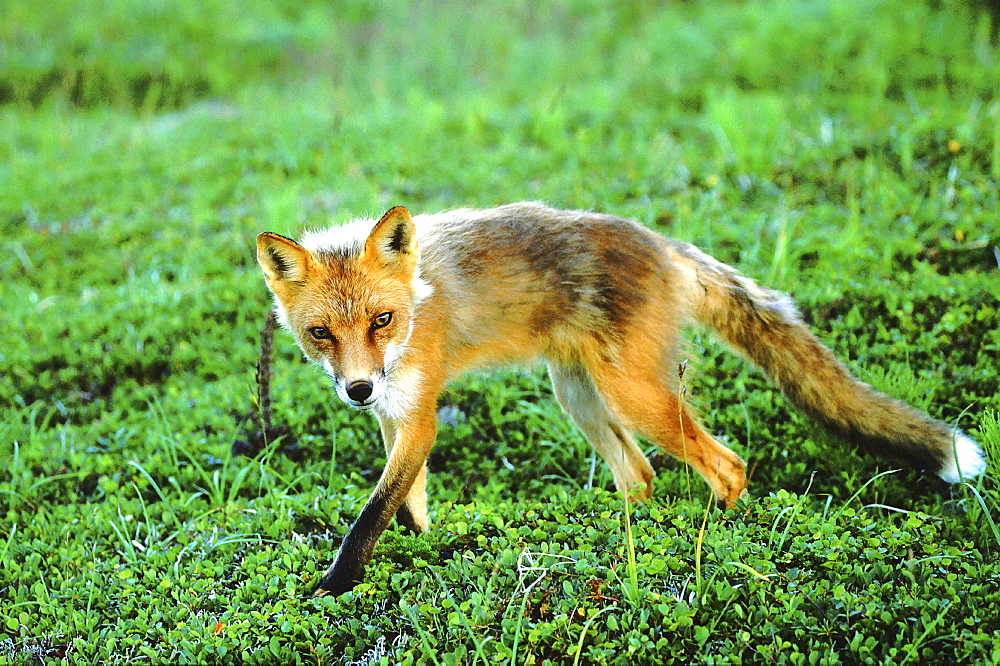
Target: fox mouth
<point>362,406</point>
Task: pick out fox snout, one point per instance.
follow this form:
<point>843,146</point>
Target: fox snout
<point>359,393</point>
<point>355,388</point>
<point>360,390</point>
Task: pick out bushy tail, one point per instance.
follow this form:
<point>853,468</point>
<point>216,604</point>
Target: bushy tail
<point>765,326</point>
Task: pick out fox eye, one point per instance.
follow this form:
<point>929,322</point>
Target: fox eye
<point>382,320</point>
<point>321,333</point>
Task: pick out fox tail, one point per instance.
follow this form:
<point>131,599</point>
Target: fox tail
<point>764,326</point>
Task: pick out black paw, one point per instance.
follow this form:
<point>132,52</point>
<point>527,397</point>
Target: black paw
<point>335,583</point>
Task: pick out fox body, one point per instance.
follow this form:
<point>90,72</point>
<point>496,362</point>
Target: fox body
<point>396,307</point>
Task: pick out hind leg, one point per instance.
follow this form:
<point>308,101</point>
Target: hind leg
<point>579,397</point>
<point>644,401</point>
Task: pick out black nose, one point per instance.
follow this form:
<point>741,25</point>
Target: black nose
<point>359,391</point>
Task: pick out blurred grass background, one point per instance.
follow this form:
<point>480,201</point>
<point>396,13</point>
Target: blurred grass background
<point>162,54</point>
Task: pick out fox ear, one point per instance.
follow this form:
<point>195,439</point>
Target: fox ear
<point>393,240</point>
<point>282,259</point>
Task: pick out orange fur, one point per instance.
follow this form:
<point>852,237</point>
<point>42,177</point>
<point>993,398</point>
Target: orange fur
<point>394,308</point>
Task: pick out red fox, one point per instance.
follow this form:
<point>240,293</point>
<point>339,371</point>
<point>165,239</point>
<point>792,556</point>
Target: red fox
<point>394,308</point>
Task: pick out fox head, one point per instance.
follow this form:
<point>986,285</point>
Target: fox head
<point>348,298</point>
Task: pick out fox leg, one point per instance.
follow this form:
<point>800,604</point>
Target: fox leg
<point>579,398</point>
<point>405,465</point>
<point>413,513</point>
<point>646,404</point>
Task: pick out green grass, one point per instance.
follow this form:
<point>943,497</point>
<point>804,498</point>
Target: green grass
<point>143,146</point>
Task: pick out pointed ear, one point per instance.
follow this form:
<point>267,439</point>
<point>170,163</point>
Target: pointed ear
<point>282,259</point>
<point>393,241</point>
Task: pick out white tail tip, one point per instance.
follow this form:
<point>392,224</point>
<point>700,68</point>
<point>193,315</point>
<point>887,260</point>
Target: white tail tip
<point>965,460</point>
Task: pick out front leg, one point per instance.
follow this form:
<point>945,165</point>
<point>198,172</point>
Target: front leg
<point>412,515</point>
<point>405,465</point>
